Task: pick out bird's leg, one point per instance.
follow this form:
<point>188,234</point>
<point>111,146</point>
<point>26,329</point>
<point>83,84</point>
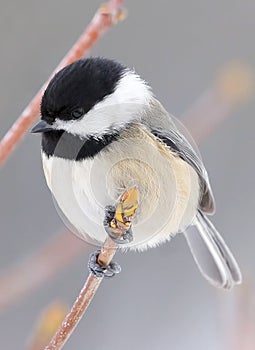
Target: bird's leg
<point>117,224</point>
<point>119,231</point>
<point>118,219</point>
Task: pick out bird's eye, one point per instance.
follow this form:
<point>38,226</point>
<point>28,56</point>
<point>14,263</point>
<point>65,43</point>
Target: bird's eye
<point>77,113</point>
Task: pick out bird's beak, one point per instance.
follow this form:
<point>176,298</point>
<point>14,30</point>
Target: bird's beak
<point>41,126</point>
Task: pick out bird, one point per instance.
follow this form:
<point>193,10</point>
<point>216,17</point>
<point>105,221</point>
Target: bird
<point>103,132</point>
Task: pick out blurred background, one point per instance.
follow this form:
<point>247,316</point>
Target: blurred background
<point>160,299</point>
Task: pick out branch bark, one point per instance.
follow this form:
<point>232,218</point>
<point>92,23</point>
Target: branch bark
<point>46,326</point>
<point>107,15</point>
<point>82,302</point>
<point>20,280</point>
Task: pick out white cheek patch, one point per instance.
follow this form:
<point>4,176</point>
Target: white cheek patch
<point>124,105</point>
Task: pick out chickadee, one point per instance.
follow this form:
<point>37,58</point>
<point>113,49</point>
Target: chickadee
<point>103,131</point>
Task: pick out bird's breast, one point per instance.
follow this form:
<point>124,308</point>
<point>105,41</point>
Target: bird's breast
<point>169,188</point>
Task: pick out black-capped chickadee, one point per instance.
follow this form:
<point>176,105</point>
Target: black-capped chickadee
<point>103,131</point>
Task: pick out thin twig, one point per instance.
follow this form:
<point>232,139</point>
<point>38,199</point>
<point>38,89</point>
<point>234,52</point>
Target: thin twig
<point>107,15</point>
<point>21,279</point>
<point>82,302</point>
<point>233,86</point>
<point>46,326</point>
<point>124,214</point>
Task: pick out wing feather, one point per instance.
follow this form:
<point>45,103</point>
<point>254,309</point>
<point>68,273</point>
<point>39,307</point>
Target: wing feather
<point>162,126</point>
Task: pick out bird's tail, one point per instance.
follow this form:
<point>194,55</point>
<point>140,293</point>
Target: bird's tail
<point>213,257</point>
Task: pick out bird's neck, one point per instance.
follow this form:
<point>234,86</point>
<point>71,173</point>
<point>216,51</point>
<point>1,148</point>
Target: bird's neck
<point>68,146</point>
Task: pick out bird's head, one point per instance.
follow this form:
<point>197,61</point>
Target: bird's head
<point>92,97</point>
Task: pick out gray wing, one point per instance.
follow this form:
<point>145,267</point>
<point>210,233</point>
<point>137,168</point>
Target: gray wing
<point>163,127</point>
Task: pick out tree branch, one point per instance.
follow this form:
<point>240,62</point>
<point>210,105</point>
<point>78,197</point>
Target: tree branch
<point>107,15</point>
<point>19,280</point>
<point>46,326</point>
<point>233,86</point>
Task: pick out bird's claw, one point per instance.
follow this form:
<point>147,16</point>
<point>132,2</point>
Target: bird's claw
<point>119,232</point>
<point>102,271</point>
<point>125,238</point>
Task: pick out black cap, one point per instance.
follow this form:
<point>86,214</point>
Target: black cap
<point>75,89</point>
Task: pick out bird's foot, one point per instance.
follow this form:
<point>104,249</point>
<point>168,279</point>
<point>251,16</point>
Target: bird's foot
<point>119,231</point>
<point>99,270</point>
<point>124,238</point>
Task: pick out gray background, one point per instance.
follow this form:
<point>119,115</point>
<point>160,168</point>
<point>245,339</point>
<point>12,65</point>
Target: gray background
<point>159,300</point>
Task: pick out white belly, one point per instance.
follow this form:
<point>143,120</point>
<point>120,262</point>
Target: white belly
<point>169,190</point>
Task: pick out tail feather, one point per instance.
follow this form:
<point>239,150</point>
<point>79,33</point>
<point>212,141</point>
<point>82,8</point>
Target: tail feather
<point>212,255</point>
